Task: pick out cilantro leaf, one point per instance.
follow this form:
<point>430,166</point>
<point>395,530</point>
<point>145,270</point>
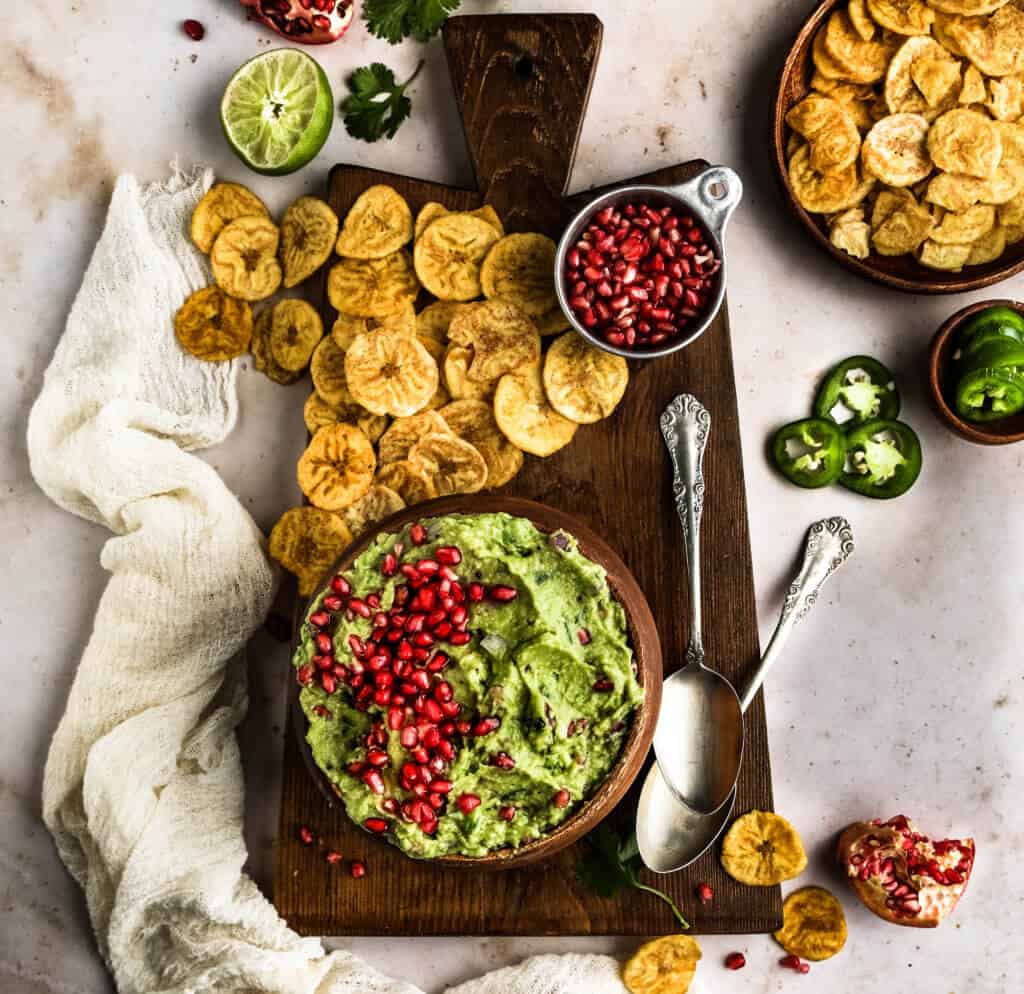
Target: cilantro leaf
<point>612,864</point>
<point>394,20</point>
<point>376,104</point>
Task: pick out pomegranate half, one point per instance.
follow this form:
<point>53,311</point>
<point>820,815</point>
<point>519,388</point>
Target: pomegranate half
<point>904,876</point>
<point>310,22</point>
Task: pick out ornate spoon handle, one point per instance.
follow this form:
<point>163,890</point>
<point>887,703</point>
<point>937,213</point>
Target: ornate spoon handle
<point>685,424</point>
<point>829,544</point>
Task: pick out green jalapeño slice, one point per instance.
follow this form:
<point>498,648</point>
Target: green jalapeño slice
<point>994,324</point>
<point>858,390</point>
<point>809,453</point>
<point>987,394</point>
<point>883,459</point>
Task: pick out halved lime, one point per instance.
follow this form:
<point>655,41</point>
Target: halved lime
<point>277,111</point>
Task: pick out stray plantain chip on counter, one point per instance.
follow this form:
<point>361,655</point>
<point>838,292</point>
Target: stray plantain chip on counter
<point>813,924</point>
<point>213,326</point>
<point>306,541</point>
<point>308,230</point>
<point>244,258</point>
<point>662,966</point>
<point>219,206</point>
<point>295,331</point>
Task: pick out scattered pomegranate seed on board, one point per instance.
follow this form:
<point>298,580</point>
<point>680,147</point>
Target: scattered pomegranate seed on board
<point>305,835</point>
<point>333,857</point>
<point>704,892</point>
<point>357,869</point>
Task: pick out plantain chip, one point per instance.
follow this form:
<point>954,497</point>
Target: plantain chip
<point>244,258</point>
<point>213,326</point>
<point>453,464</point>
<point>295,331</point>
<point>412,481</point>
<point>824,64</point>
<point>502,337</point>
<point>903,17</point>
<point>449,254</point>
<point>525,417</point>
<point>441,394</point>
<point>813,924</point>
<point>490,215</point>
<point>220,205</point>
<point>378,224</point>
<point>372,288</point>
<point>988,247</point>
<point>895,150</point>
<point>433,321</point>
<point>938,80</point>
<point>964,141</point>
<point>429,212</point>
<point>994,44</point>
<point>662,966</point>
<point>1005,98</point>
<point>762,849</point>
<point>903,230</point>
<point>345,329</point>
<point>473,421</point>
<point>1011,214</point>
<point>860,61</point>
<point>826,193</point>
<point>952,258</point>
<point>327,369</point>
<point>337,467</point>
<point>520,268</point>
<point>861,19</point>
<point>308,230</point>
<point>582,382</point>
<point>963,227</point>
<point>954,191</point>
<point>973,89</point>
<point>900,90</point>
<point>390,372</point>
<point>968,8</point>
<point>840,90</point>
<point>850,233</point>
<point>404,433</point>
<point>455,366</point>
<point>317,413</point>
<point>307,541</point>
<point>830,131</point>
<point>371,509</point>
<point>262,357</point>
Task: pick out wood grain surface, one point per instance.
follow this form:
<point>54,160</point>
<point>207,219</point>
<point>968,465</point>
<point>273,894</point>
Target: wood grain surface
<point>523,82</point>
<point>901,272</point>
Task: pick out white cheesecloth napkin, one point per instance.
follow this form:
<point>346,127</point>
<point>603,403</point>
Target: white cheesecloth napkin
<point>143,788</point>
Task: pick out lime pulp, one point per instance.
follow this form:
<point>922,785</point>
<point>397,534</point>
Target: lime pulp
<point>277,111</point>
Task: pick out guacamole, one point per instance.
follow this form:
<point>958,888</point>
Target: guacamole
<point>537,700</point>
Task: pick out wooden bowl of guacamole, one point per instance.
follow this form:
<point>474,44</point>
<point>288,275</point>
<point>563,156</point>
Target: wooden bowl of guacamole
<point>518,722</point>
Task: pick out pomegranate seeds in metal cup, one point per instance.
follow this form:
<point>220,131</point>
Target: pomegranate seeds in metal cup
<point>640,275</point>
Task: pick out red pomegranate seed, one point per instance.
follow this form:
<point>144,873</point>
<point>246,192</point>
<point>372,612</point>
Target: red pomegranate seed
<point>443,691</point>
<point>333,857</point>
<point>437,662</point>
<point>304,674</point>
<point>341,586</point>
<point>584,636</point>
<point>448,555</point>
<point>305,835</point>
<point>476,592</point>
<point>603,685</point>
<point>459,638</point>
<point>418,534</point>
<point>502,594</point>
<point>360,607</point>
<point>389,565</point>
<point>333,603</point>
<point>357,869</point>
<point>467,803</point>
<point>374,781</point>
<point>794,963</point>
<point>486,725</point>
<point>377,757</point>
<point>194,29</point>
<point>503,761</point>
<point>433,710</point>
<point>321,619</point>
<point>735,961</point>
<point>704,892</point>
<point>561,799</point>
<point>323,642</point>
<point>329,682</point>
<point>321,712</point>
<point>409,737</point>
<point>507,812</point>
<point>440,786</point>
<point>375,825</point>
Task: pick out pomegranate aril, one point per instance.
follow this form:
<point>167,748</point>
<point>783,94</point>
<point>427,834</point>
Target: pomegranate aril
<point>418,534</point>
<point>194,29</point>
<point>341,586</point>
<point>735,961</point>
<point>459,638</point>
<point>561,799</point>
<point>320,619</point>
<point>329,682</point>
<point>486,725</point>
<point>358,606</point>
<point>467,803</point>
<point>377,757</point>
<point>704,892</point>
<point>333,857</point>
<point>357,870</point>
<point>374,781</point>
<point>502,593</point>
<point>409,737</point>
<point>305,835</point>
<point>375,825</point>
<point>503,761</point>
<point>333,603</point>
<point>507,812</point>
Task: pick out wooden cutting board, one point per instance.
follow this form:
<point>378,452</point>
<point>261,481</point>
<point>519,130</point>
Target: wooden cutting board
<point>522,84</point>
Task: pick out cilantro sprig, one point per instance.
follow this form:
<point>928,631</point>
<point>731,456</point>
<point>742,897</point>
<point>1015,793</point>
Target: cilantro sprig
<point>612,864</point>
<point>376,104</point>
<point>394,20</point>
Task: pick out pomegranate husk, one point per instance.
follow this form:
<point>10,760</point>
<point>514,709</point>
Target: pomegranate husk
<point>893,835</point>
<point>308,22</point>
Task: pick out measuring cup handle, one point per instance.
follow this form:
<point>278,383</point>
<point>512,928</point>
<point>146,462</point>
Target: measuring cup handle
<point>718,190</point>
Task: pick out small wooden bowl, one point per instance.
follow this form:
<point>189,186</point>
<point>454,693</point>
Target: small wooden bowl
<point>942,385</point>
<point>900,272</point>
<point>643,636</point>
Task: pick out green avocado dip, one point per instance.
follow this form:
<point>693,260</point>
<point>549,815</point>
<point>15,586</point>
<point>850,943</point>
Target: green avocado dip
<point>473,701</point>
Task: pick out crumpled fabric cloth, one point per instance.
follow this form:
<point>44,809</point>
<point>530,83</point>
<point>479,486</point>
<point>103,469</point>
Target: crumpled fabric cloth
<point>143,788</point>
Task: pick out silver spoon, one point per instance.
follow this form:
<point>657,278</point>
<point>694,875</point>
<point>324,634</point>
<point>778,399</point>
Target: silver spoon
<point>672,835</point>
<point>699,736</point>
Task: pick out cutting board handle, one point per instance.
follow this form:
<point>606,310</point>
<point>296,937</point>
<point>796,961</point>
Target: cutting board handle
<point>522,82</point>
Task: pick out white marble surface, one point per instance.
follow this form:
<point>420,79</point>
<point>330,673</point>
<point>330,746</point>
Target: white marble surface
<point>902,693</point>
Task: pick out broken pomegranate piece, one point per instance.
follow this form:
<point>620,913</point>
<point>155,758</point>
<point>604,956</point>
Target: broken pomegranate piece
<point>902,875</point>
<point>310,22</point>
